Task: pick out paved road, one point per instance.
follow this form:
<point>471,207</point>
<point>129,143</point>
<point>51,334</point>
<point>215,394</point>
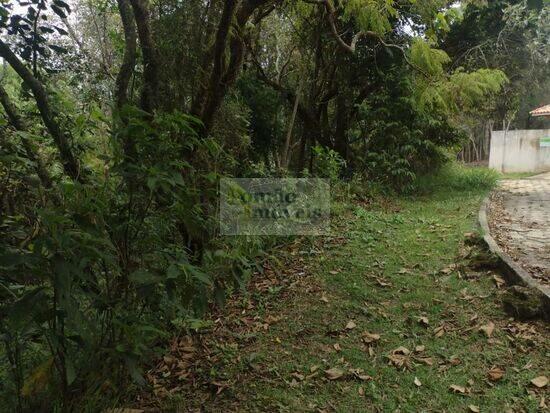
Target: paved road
<point>519,217</point>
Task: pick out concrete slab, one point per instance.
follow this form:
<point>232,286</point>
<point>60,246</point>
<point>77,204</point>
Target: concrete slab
<point>519,221</point>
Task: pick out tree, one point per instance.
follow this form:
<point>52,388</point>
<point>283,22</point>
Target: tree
<point>512,36</point>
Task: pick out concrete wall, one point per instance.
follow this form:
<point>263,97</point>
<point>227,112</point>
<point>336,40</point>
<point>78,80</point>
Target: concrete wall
<point>519,151</point>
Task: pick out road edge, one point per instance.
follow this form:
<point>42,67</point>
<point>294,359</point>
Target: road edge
<point>513,273</point>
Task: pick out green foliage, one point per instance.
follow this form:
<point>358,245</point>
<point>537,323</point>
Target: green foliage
<point>461,91</point>
<point>93,279</point>
<point>510,35</point>
<point>36,32</point>
<point>327,163</point>
<point>428,60</point>
<point>457,177</point>
<point>394,140</point>
<point>373,15</point>
<point>266,121</point>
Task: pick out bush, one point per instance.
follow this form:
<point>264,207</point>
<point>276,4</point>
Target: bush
<point>394,141</point>
<point>91,280</point>
<point>327,163</point>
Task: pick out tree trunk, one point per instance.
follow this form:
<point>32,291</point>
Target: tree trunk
<point>340,135</point>
<point>30,151</point>
<point>129,58</point>
<point>286,155</point>
<point>70,164</point>
<point>222,75</point>
<point>149,52</point>
<point>215,89</point>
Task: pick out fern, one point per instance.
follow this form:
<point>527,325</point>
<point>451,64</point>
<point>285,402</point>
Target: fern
<point>370,15</point>
<point>461,91</point>
<point>430,61</point>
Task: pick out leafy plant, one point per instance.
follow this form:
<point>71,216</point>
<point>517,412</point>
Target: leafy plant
<point>327,163</point>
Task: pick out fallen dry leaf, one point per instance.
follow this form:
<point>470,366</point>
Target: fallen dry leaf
<point>399,360</point>
<point>334,373</point>
<point>419,349</point>
<point>399,357</point>
<point>361,391</point>
<point>488,329</point>
<point>401,350</point>
<point>449,269</point>
<point>358,373</point>
<point>499,281</point>
<point>495,374</point>
<point>220,386</point>
<point>383,283</point>
<point>370,337</point>
<point>540,382</point>
<point>473,408</point>
<point>337,347</point>
<point>455,361</point>
<point>424,320</point>
<point>417,382</point>
<point>428,361</point>
<point>439,331</point>
<point>457,389</point>
<point>324,298</point>
<point>298,376</point>
<point>350,325</point>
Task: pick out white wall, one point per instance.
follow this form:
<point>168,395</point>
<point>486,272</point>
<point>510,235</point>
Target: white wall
<point>519,151</point>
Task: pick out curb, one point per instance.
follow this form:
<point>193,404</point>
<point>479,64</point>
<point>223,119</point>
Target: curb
<point>513,273</point>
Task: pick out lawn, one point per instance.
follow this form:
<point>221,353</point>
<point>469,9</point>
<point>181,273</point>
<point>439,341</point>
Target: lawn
<point>387,315</point>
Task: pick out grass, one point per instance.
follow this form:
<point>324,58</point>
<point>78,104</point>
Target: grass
<point>390,263</point>
<point>518,175</point>
<point>458,177</point>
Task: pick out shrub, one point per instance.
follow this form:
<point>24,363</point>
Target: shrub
<point>327,163</point>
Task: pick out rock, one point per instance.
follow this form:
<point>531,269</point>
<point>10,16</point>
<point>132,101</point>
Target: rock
<point>522,303</point>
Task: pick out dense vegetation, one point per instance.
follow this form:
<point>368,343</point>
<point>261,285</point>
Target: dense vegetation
<point>119,118</point>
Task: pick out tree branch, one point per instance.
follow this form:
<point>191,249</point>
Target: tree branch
<point>331,17</point>
<point>82,48</point>
<point>288,94</point>
<point>18,125</point>
<point>207,109</point>
<point>70,164</point>
<point>224,75</point>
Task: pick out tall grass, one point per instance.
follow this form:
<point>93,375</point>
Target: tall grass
<point>457,177</point>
